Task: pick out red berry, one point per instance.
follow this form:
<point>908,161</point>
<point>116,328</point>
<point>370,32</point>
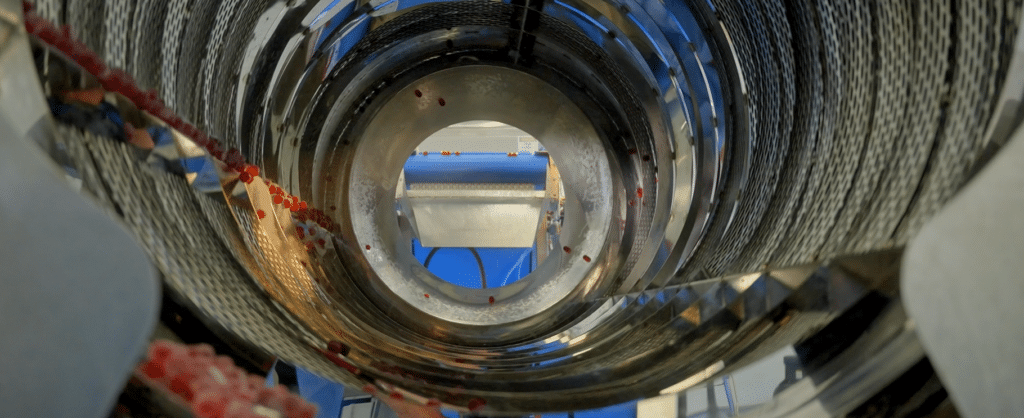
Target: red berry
<point>336,347</point>
<point>160,350</point>
<point>211,405</point>
<point>234,159</point>
<point>201,351</point>
<point>180,386</point>
<point>153,369</point>
<point>567,249</point>
<point>440,101</point>
<point>476,404</point>
<point>202,139</point>
<point>490,300</point>
<point>586,258</point>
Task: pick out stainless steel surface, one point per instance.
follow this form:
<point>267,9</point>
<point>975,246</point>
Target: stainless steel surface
<point>475,216</point>
<point>721,161</point>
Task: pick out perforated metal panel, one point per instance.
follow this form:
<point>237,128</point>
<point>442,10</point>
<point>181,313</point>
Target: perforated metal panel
<point>144,59</point>
<point>189,236</point>
<point>52,10</point>
<point>863,119</point>
<point>177,15</point>
<point>118,25</point>
<point>86,18</point>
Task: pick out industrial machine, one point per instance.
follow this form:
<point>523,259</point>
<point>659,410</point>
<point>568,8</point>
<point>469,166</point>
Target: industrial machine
<point>506,208</point>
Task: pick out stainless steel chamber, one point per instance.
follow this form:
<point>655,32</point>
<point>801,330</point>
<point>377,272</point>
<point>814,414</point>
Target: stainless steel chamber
<point>740,177</point>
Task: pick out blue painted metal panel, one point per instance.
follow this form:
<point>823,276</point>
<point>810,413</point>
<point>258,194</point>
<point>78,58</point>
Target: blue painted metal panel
<point>458,266</point>
<point>327,395</point>
<point>477,168</point>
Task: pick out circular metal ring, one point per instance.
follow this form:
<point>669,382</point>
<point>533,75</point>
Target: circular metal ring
<point>479,92</point>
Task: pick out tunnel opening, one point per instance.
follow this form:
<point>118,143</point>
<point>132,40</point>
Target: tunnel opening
<point>482,202</point>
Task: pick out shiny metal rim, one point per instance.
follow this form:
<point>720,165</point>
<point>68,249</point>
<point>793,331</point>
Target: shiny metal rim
<point>510,97</point>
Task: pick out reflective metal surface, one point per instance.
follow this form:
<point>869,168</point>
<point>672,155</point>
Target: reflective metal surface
<point>722,163</point>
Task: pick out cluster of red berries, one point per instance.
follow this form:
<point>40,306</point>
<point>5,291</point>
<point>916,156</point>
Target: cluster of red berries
<point>301,211</point>
<point>213,387</point>
<point>118,81</point>
<point>310,236</point>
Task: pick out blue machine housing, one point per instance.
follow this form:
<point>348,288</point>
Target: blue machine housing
<point>477,167</point>
<point>461,266</point>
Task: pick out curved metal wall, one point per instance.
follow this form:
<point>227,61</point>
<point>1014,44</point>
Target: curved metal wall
<point>741,145</point>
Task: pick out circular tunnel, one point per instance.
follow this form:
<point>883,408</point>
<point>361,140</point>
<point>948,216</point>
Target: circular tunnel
<point>738,177</point>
